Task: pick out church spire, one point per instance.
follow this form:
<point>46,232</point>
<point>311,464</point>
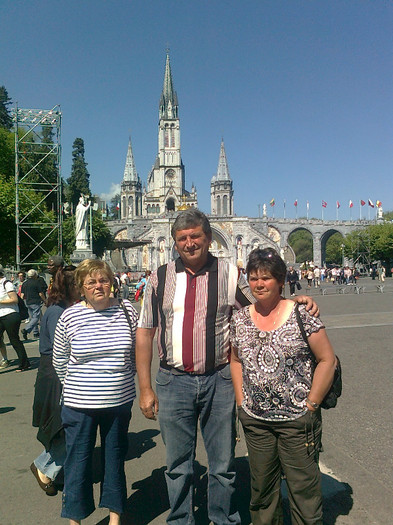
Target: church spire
<point>130,174</point>
<point>222,170</point>
<point>168,101</point>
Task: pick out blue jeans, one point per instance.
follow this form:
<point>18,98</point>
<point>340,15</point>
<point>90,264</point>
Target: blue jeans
<point>34,318</point>
<point>51,462</point>
<point>80,427</point>
<point>183,399</point>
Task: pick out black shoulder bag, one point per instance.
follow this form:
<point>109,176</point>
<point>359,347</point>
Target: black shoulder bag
<point>330,400</point>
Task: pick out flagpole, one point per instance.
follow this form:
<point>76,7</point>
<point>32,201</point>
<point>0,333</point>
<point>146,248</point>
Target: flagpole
<point>296,209</point>
<point>308,206</point>
<point>336,212</point>
<point>360,210</point>
<point>284,209</point>
<point>322,211</point>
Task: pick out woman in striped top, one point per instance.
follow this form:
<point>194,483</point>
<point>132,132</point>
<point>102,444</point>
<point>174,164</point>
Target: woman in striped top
<point>94,358</point>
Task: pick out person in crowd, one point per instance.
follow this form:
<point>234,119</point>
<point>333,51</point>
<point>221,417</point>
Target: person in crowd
<point>21,277</point>
<point>279,384</point>
<point>309,277</point>
<point>93,355</point>
<point>33,293</point>
<point>55,263</point>
<point>125,285</point>
<point>190,302</point>
<point>10,321</point>
<point>46,407</point>
<point>317,277</point>
<point>292,279</point>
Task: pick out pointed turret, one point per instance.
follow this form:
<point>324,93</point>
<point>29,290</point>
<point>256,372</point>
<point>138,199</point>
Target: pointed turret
<point>168,101</point>
<point>222,170</point>
<point>221,187</point>
<point>130,174</point>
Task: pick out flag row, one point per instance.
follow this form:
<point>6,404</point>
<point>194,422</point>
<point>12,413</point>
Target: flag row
<point>378,204</point>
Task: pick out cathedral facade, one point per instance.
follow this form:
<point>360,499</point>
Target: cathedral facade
<point>142,234</point>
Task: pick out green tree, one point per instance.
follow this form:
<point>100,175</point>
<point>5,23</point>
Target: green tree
<point>333,253</point>
<point>388,215</point>
<point>7,154</point>
<point>301,243</point>
<point>79,181</point>
<point>372,243</point>
<point>102,237</point>
<point>5,117</point>
<point>113,208</point>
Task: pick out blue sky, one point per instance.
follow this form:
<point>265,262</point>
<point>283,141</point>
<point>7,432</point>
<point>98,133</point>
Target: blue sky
<point>301,92</point>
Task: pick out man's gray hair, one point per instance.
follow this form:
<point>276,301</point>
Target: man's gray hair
<point>31,274</point>
<point>189,219</point>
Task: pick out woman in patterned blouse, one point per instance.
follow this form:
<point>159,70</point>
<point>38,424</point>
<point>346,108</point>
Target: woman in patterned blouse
<point>279,384</point>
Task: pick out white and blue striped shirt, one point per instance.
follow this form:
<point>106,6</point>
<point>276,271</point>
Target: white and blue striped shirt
<point>94,356</point>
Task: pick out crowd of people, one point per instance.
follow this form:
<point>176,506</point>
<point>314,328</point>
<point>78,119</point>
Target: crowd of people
<point>225,339</point>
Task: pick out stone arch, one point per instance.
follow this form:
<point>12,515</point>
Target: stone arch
<point>121,234</point>
<point>324,239</point>
<point>299,228</point>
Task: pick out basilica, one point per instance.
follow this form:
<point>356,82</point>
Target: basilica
<point>147,211</point>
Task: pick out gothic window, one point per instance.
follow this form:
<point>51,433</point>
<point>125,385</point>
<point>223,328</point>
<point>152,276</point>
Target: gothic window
<point>172,136</point>
<point>157,208</point>
<point>218,205</point>
<point>225,205</point>
<point>170,205</point>
<point>166,134</point>
<point>124,208</point>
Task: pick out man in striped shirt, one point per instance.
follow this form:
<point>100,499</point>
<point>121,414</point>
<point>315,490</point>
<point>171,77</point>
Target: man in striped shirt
<point>189,303</point>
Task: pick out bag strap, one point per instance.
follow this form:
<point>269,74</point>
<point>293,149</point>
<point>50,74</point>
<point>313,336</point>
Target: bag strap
<point>300,323</point>
<point>126,313</point>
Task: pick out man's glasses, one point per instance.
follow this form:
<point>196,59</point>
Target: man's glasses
<point>89,285</point>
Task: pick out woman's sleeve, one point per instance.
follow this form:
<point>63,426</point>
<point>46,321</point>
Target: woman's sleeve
<point>134,323</point>
<point>61,350</point>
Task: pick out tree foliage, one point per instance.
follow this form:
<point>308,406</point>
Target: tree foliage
<point>301,243</point>
<point>79,181</point>
<point>5,117</point>
<point>113,208</point>
<point>333,252</point>
<point>374,243</point>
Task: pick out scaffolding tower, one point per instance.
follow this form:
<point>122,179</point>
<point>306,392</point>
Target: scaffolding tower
<point>38,184</point>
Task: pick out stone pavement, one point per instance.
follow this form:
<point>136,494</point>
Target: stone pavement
<point>357,461</point>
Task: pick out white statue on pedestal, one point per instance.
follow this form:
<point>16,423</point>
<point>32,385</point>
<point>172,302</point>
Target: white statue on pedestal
<point>81,224</point>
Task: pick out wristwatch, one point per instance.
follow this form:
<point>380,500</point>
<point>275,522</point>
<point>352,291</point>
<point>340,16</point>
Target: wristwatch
<point>314,405</point>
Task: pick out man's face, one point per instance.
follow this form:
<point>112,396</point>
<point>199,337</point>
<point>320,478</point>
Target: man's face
<point>193,246</point>
<point>51,267</point>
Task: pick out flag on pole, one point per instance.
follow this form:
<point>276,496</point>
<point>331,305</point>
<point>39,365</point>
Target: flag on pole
<point>350,204</point>
<point>362,202</point>
<point>379,204</point>
<point>272,202</point>
<point>337,204</point>
<point>295,203</point>
<point>324,204</point>
<point>118,206</point>
<point>370,203</point>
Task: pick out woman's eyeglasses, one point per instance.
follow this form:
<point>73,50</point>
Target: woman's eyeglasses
<point>93,284</point>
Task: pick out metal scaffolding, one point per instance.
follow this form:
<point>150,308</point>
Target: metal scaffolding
<point>37,183</point>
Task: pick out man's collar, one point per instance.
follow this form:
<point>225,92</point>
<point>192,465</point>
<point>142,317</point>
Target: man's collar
<point>210,266</point>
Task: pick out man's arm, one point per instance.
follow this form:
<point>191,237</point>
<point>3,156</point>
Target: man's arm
<point>311,306</point>
<point>148,401</point>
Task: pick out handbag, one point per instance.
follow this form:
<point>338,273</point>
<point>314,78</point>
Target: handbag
<point>137,294</point>
<point>335,391</point>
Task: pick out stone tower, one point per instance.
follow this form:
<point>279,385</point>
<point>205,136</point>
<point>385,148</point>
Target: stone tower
<point>166,180</point>
<point>131,188</point>
<point>221,188</point>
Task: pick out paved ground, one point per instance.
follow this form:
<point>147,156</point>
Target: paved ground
<point>357,461</point>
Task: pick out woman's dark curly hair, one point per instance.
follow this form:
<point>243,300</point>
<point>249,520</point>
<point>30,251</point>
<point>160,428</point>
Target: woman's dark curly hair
<point>63,289</point>
<point>268,260</point>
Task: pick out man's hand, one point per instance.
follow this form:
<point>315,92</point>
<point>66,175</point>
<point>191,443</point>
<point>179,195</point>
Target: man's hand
<point>148,403</point>
<point>311,306</point>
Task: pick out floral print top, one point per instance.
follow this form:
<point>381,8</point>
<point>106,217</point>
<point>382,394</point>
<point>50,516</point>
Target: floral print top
<point>277,366</point>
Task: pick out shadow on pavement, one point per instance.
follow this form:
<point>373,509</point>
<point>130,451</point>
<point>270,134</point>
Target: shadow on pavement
<point>4,410</point>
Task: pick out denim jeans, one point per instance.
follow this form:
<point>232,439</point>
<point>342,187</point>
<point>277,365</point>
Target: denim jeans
<point>183,399</point>
<point>51,462</point>
<point>34,318</point>
<point>80,427</point>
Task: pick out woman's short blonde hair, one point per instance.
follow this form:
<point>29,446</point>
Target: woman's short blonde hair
<point>89,267</point>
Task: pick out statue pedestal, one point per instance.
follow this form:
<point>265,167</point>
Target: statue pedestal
<point>80,254</point>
